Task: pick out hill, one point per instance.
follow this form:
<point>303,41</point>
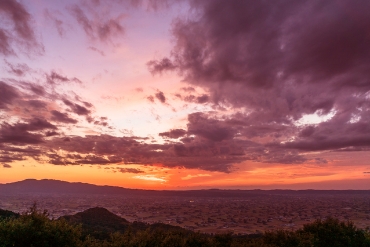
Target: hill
<point>7,214</point>
<point>34,228</point>
<point>99,222</point>
<point>60,187</point>
<point>33,186</point>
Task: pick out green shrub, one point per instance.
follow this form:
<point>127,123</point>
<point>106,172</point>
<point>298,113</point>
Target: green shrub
<point>35,229</point>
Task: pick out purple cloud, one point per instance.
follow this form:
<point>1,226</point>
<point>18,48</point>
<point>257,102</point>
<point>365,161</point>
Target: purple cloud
<point>62,117</point>
<point>7,95</point>
<point>19,32</point>
<point>98,27</point>
<point>19,69</point>
<point>160,96</point>
<point>273,64</point>
<point>160,66</point>
<point>76,108</point>
<point>58,23</point>
<point>6,166</point>
<point>174,133</point>
<point>55,78</point>
<point>129,170</point>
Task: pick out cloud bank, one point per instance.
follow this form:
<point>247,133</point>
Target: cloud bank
<point>262,66</point>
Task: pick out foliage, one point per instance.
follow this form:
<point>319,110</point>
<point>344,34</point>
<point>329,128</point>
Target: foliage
<point>332,232</point>
<point>34,228</point>
<point>321,233</point>
<point>4,214</point>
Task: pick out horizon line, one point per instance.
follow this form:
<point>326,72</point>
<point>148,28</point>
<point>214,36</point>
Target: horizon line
<point>204,189</point>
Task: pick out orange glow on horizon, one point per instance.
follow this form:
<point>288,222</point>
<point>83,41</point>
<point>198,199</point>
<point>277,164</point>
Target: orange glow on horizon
<point>161,178</point>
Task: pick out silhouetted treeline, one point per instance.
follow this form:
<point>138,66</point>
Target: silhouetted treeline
<point>97,227</point>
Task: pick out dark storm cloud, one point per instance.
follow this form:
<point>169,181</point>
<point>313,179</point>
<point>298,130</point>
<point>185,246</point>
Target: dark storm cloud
<point>28,101</point>
<point>263,65</point>
<point>108,149</point>
<point>209,129</point>
<point>58,160</point>
<point>11,134</point>
<point>19,31</point>
<point>208,143</point>
<point>28,151</point>
<point>204,151</point>
<point>202,99</point>
<point>27,128</point>
<point>190,95</point>
<point>287,38</point>
<point>22,133</point>
<point>10,158</point>
<point>274,63</point>
<point>105,149</point>
<point>98,27</point>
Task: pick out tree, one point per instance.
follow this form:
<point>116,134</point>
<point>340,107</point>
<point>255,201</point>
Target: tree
<point>332,232</point>
<point>35,229</point>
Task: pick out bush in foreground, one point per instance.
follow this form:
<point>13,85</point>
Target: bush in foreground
<point>35,229</point>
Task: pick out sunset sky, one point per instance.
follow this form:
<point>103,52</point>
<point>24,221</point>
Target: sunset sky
<point>186,94</point>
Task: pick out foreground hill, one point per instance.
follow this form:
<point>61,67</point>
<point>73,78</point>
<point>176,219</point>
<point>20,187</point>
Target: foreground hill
<point>33,186</point>
<point>5,214</point>
<point>100,222</point>
<point>34,228</point>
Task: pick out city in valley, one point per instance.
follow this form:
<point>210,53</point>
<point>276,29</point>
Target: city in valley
<point>209,212</point>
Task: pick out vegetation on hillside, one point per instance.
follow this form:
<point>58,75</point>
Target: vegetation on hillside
<point>34,228</point>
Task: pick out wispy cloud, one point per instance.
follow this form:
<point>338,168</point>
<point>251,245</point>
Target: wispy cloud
<point>195,176</point>
<point>150,178</point>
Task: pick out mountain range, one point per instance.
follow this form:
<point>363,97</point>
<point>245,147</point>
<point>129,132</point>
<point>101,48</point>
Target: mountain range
<point>48,186</point>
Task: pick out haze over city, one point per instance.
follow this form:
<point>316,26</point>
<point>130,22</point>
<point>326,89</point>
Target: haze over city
<point>186,94</point>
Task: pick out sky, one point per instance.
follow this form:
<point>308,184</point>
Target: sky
<point>186,94</point>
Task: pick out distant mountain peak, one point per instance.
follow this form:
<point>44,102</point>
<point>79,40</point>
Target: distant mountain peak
<point>57,186</point>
